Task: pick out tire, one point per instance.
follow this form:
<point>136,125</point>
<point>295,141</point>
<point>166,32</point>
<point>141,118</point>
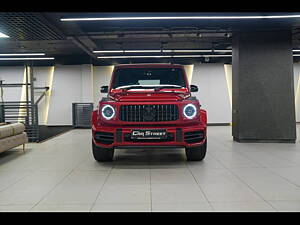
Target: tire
<point>196,153</point>
<point>103,154</point>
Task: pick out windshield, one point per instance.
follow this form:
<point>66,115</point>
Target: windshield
<point>148,77</point>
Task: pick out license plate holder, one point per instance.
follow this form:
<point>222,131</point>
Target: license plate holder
<point>149,134</point>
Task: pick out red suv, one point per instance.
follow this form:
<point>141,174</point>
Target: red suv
<point>149,105</point>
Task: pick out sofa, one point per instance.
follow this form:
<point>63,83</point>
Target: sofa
<point>12,135</point>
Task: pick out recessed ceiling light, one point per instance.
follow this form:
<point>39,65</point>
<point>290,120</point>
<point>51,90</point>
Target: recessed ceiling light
<point>109,51</point>
<point>164,50</point>
<point>14,59</point>
<point>180,18</point>
<point>133,51</point>
<point>160,56</point>
<point>188,56</point>
<point>133,56</point>
<point>21,54</point>
<point>125,51</point>
<point>3,35</point>
<point>187,50</point>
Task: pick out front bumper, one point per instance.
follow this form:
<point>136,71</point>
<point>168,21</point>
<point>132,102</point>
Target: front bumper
<point>120,137</point>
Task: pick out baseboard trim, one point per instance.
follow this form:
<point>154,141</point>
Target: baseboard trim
<point>218,124</point>
<point>49,132</point>
<point>290,141</point>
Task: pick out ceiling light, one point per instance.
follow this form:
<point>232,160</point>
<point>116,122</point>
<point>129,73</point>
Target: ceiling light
<point>133,56</point>
<point>192,50</point>
<point>170,50</point>
<point>190,56</point>
<point>3,35</point>
<point>125,51</point>
<point>13,59</point>
<point>164,50</point>
<point>222,50</point>
<point>109,51</point>
<point>181,18</point>
<point>160,56</point>
<point>21,54</point>
<point>131,51</point>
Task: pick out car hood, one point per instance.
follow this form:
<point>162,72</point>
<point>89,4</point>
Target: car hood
<point>149,95</point>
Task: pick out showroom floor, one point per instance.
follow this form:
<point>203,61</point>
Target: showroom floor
<point>61,175</point>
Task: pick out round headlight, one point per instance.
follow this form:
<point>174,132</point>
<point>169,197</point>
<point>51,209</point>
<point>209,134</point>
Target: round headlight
<point>189,111</point>
<point>108,112</point>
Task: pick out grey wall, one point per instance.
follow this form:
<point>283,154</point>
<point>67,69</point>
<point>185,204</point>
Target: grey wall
<point>263,100</point>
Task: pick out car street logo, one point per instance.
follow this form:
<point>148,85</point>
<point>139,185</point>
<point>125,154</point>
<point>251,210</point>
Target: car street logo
<point>148,133</point>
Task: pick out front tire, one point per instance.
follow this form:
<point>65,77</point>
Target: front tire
<point>196,153</point>
<point>103,154</point>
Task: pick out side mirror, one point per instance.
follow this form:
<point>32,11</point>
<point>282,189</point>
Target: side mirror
<point>193,88</point>
<point>104,89</point>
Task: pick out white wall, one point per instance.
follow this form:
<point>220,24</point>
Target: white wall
<point>213,93</point>
<point>11,75</point>
<point>189,72</point>
<point>67,88</point>
<point>297,89</point>
<point>43,78</point>
<point>228,75</point>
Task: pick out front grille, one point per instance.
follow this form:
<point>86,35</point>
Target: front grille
<point>148,113</point>
<point>193,137</point>
<point>104,137</point>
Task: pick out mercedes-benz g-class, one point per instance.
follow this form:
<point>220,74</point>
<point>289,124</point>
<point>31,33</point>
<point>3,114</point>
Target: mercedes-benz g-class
<point>149,105</point>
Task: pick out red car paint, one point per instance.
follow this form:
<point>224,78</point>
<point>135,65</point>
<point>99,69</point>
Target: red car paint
<point>177,129</point>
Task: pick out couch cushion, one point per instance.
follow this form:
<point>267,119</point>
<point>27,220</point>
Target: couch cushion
<point>11,129</point>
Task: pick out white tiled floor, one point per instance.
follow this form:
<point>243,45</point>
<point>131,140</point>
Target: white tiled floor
<point>61,175</point>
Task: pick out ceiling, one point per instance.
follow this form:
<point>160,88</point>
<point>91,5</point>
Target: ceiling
<point>74,42</point>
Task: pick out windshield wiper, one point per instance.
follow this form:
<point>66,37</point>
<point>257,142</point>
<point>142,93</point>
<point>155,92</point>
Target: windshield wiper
<point>133,86</point>
<point>155,87</point>
<point>166,86</point>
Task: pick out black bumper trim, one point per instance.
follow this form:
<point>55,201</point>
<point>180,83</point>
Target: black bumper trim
<point>178,134</point>
<point>119,135</point>
<point>150,146</point>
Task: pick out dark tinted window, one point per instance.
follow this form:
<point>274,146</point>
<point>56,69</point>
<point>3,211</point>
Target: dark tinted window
<point>148,76</point>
